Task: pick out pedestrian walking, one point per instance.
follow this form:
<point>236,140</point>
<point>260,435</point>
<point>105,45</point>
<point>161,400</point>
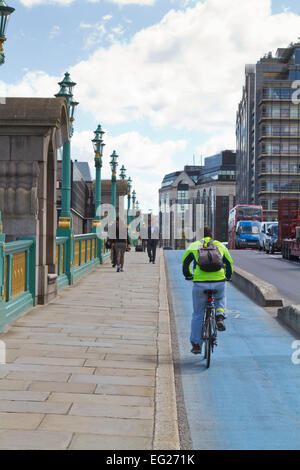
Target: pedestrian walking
<point>152,243</point>
<point>120,244</point>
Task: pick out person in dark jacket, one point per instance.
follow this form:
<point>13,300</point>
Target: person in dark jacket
<point>152,243</point>
<point>120,243</point>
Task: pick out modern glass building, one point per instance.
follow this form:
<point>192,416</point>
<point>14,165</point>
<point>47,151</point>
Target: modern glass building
<point>268,132</point>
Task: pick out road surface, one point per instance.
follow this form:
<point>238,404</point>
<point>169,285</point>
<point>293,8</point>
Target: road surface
<point>249,398</point>
<point>283,274</point>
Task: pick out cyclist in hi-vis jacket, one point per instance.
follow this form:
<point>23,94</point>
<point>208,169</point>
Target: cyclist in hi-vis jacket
<point>203,281</point>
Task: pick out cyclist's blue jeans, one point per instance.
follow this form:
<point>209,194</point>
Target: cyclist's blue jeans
<point>199,302</point>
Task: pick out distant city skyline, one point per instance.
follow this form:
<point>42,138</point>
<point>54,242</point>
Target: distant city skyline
<point>163,77</point>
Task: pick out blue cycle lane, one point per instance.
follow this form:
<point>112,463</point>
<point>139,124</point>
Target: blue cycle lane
<point>250,396</point>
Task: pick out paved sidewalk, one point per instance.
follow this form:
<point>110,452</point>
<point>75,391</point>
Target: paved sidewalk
<point>93,369</point>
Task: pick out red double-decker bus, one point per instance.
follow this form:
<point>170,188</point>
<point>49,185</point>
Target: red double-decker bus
<point>242,212</point>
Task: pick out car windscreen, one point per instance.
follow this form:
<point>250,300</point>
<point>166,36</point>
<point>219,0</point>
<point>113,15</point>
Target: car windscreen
<point>274,229</point>
<point>253,229</point>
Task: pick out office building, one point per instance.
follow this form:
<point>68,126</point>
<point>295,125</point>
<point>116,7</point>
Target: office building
<point>268,132</point>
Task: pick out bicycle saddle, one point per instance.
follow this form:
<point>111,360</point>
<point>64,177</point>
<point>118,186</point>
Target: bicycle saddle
<point>210,293</point>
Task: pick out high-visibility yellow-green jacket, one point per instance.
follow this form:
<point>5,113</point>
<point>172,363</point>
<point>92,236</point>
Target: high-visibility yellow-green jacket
<point>194,272</point>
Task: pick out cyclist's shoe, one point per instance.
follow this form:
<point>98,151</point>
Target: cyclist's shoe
<point>220,323</point>
<point>196,349</point>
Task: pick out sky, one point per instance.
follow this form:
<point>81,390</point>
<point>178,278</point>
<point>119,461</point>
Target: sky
<point>162,77</point>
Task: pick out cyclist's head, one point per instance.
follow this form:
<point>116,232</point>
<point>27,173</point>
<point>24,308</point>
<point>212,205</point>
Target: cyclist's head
<point>208,232</point>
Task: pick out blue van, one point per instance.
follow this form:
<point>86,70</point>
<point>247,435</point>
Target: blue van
<point>247,234</point>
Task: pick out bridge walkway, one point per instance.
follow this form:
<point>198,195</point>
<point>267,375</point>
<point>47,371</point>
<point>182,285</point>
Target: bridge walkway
<point>93,369</point>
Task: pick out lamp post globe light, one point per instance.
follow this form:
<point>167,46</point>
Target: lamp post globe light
<point>5,12</point>
<point>66,91</point>
<point>113,165</point>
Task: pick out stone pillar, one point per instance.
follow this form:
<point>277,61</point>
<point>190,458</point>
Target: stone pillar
<point>31,131</point>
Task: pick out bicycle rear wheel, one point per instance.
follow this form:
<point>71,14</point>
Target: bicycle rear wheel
<point>207,342</point>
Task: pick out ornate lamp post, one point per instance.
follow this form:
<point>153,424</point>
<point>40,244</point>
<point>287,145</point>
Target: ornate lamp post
<point>98,146</point>
<point>129,186</point>
<point>113,165</point>
<point>123,177</point>
<point>66,91</point>
<point>98,149</point>
<point>137,208</point>
<point>133,200</point>
<point>133,214</point>
<point>65,220</point>
<point>5,12</point>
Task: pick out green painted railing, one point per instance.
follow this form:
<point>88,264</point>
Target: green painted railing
<point>61,262</point>
<point>17,279</point>
<point>86,252</point>
<point>75,256</point>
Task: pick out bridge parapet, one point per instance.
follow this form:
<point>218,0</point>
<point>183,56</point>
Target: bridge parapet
<point>18,279</point>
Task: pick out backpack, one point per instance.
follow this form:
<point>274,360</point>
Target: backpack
<point>210,259</point>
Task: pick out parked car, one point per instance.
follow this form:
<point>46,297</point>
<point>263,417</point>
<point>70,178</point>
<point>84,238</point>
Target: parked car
<point>272,238</point>
<point>263,235</point>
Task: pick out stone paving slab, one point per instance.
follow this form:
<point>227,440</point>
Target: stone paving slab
<point>34,440</point>
<point>98,425</point>
<point>95,400</point>
<point>19,421</point>
<point>98,442</point>
<point>83,371</point>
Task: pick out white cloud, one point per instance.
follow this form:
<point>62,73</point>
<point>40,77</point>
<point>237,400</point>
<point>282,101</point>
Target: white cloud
<point>33,84</point>
<point>55,31</point>
<point>144,160</point>
<point>131,2</point>
<point>186,71</point>
<point>223,140</point>
<point>99,32</point>
<point>32,3</point>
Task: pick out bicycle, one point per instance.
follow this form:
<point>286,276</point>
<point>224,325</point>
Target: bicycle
<point>209,331</point>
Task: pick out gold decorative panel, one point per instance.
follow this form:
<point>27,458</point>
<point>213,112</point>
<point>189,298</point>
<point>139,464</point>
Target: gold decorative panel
<point>94,247</point>
<point>83,249</point>
<point>89,250</point>
<point>76,254</point>
<point>18,274</point>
